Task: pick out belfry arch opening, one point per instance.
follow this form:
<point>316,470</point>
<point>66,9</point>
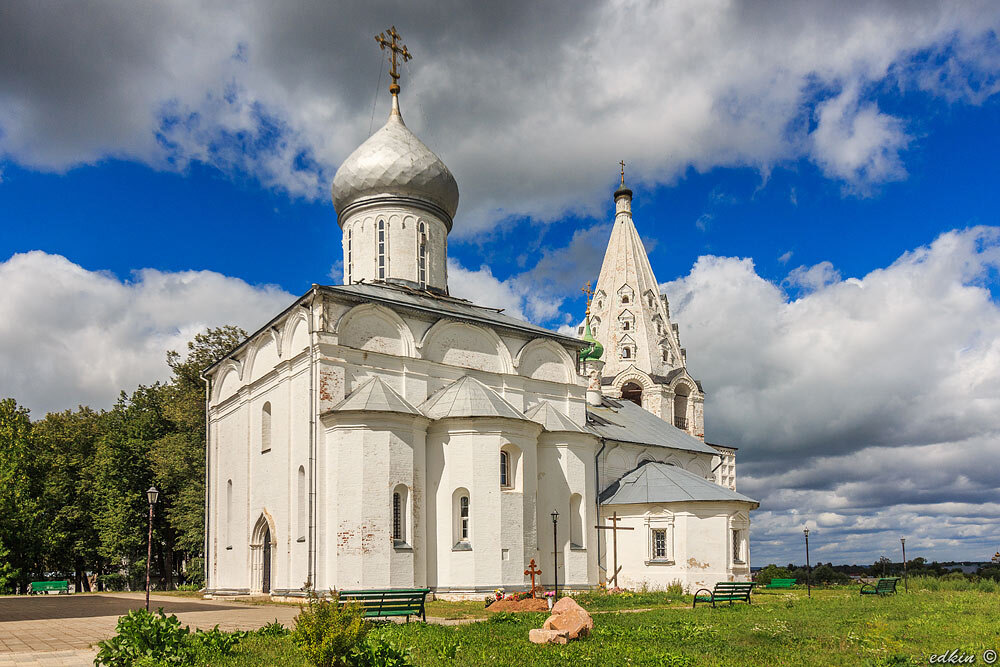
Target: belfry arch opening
<point>631,391</point>
<point>682,395</point>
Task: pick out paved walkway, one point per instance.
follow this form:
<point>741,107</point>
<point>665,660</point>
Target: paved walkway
<point>61,629</point>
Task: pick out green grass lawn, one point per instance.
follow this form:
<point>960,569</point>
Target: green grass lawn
<point>834,627</point>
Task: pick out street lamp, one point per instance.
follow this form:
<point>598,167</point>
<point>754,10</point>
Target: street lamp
<point>906,586</point>
<point>809,592</point>
<point>151,495</point>
<point>555,552</point>
<point>996,558</point>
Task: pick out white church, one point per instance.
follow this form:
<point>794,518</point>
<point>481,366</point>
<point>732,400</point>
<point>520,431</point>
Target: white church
<point>383,434</point>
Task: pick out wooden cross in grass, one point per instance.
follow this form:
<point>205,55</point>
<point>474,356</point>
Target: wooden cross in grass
<point>533,571</point>
<point>614,528</point>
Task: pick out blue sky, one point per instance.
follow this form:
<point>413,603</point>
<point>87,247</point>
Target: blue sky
<point>817,190</point>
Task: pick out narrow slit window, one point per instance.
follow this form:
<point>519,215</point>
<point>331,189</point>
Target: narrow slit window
<point>350,254</point>
<point>265,428</point>
<point>504,469</point>
<point>463,505</point>
<point>381,249</point>
<point>397,524</point>
<point>422,255</point>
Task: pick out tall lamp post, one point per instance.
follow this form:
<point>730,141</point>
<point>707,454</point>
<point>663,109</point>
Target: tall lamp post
<point>906,586</point>
<point>555,552</point>
<point>809,570</point>
<point>151,495</point>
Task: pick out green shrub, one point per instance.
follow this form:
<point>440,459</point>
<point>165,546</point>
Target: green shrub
<point>143,639</point>
<point>675,588</point>
<point>329,632</point>
<point>189,587</point>
<point>142,634</point>
<point>379,653</point>
<point>194,573</point>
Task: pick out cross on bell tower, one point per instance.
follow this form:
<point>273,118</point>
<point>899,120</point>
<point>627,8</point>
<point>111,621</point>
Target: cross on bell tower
<point>394,50</point>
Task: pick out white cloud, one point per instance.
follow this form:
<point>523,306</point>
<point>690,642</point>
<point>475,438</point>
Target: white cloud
<point>69,336</point>
<point>811,278</point>
<point>870,397</point>
<point>785,257</point>
<point>857,143</point>
<point>502,92</point>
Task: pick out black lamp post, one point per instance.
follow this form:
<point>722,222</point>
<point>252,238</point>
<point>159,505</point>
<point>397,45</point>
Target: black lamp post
<point>906,586</point>
<point>151,495</point>
<point>555,552</point>
<point>809,592</point>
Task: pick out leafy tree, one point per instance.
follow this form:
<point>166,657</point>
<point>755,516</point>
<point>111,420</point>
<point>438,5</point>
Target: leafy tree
<point>20,537</point>
<point>178,457</point>
<point>123,473</point>
<point>66,444</point>
<point>772,571</point>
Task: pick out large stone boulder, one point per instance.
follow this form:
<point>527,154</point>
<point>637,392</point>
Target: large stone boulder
<point>537,636</point>
<point>569,617</point>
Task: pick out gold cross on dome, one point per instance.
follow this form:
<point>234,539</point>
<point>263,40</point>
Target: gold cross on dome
<point>394,50</point>
<point>622,163</point>
<point>589,292</point>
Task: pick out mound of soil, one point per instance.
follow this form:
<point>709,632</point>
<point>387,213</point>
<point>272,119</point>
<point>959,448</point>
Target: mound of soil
<point>530,604</point>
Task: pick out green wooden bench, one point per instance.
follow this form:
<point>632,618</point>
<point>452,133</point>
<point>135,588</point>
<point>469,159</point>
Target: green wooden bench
<point>781,583</point>
<point>885,586</point>
<point>389,602</point>
<point>731,591</point>
<point>46,586</point>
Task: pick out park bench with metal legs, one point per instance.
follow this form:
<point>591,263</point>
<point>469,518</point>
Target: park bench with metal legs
<point>884,587</point>
<point>781,583</point>
<point>725,591</point>
<point>389,602</point>
<point>46,586</point>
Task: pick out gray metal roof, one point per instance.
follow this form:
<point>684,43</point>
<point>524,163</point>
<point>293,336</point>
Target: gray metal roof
<point>663,483</point>
<point>377,396</point>
<point>624,421</point>
<point>553,419</point>
<point>468,397</point>
<point>441,305</point>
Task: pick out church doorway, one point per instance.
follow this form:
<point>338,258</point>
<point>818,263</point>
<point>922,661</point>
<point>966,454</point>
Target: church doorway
<point>632,392</point>
<point>266,575</point>
<point>262,555</point>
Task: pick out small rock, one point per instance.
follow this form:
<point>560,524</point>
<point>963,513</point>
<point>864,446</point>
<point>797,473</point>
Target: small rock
<point>565,604</point>
<point>537,636</point>
<point>576,622</point>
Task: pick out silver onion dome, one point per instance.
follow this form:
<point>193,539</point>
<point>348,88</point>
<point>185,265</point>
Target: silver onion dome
<point>393,163</point>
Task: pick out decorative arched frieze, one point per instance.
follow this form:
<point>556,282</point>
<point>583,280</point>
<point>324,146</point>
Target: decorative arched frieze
<point>543,359</point>
<point>375,328</point>
<point>467,345</point>
<point>296,334</point>
<point>632,374</point>
<point>229,380</point>
<point>263,355</point>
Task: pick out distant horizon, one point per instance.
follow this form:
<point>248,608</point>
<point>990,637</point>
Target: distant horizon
<point>815,186</point>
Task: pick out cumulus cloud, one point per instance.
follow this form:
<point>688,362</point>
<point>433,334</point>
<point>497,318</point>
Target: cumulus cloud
<point>503,92</point>
<point>891,376</point>
<point>69,336</point>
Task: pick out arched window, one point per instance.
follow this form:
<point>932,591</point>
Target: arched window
<point>504,469</point>
<point>463,507</point>
<point>632,392</point>
<point>626,352</point>
<point>350,254</point>
<point>301,509</point>
<point>576,521</point>
<point>624,298</point>
<point>265,428</point>
<point>625,325</point>
<point>422,255</point>
<point>229,514</point>
<point>400,515</point>
<point>381,249</point>
<point>666,355</point>
<point>461,524</point>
